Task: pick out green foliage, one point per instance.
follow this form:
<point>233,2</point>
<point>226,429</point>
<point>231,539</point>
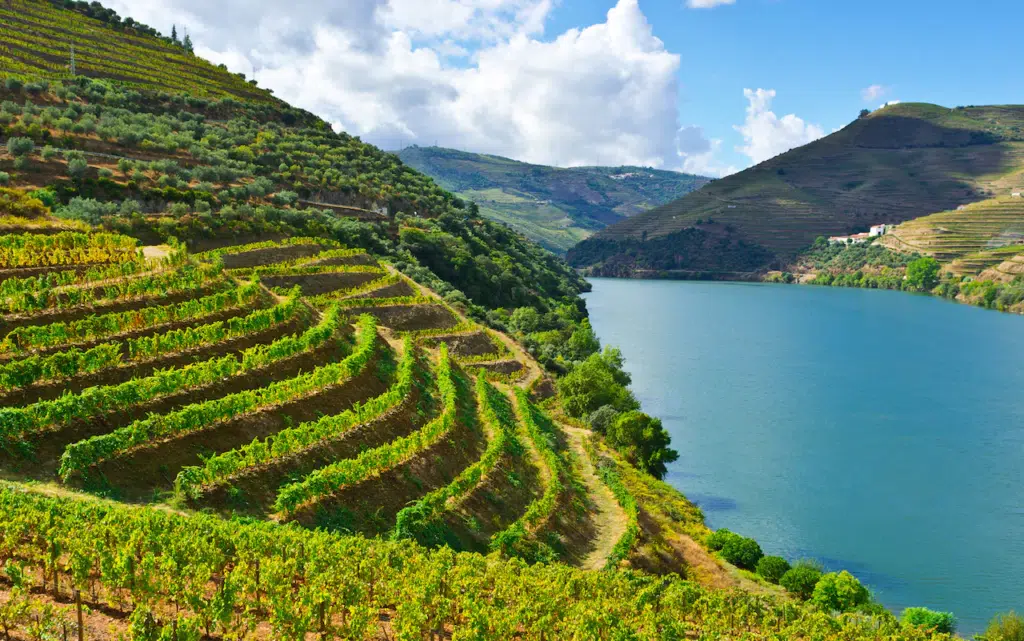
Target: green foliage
<point>923,274</point>
<point>801,580</point>
<point>943,622</point>
<point>840,592</point>
<point>19,147</point>
<point>717,539</point>
<point>596,382</point>
<point>1005,627</point>
<point>772,568</point>
<point>742,552</point>
<point>645,443</point>
<point>602,418</point>
<point>5,178</point>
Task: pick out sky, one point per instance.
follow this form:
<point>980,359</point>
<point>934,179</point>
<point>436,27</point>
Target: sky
<point>703,86</point>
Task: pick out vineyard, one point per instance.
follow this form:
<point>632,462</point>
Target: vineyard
<point>260,380</point>
<point>344,409</point>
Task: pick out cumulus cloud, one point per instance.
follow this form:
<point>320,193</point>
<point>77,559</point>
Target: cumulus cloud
<point>765,135</point>
<point>707,4</point>
<point>873,93</point>
<point>474,74</point>
<point>699,154</point>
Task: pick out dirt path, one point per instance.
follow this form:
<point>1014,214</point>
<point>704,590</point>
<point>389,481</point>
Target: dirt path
<point>608,516</point>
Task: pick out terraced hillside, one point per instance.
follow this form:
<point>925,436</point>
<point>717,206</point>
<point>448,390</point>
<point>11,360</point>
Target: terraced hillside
<point>37,37</point>
<point>231,339</point>
<point>972,238</point>
<point>897,164</point>
<point>552,206</point>
<point>304,382</point>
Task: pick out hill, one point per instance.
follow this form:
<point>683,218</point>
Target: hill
<point>260,380</point>
<point>552,206</point>
<point>894,165</point>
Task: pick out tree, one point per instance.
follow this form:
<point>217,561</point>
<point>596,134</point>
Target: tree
<point>601,419</point>
<point>645,443</point>
<point>77,167</point>
<point>583,342</point>
<point>772,568</point>
<point>174,33</point>
<point>864,113</point>
<point>595,382</point>
<point>801,580</point>
<point>19,147</point>
<point>1005,627</point>
<point>742,552</point>
<point>941,622</point>
<point>840,592</point>
<point>923,274</point>
<point>187,44</point>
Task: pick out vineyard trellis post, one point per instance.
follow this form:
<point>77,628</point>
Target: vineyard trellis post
<point>78,606</point>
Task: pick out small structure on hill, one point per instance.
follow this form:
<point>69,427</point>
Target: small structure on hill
<point>853,239</point>
<point>1015,194</point>
<point>879,230</point>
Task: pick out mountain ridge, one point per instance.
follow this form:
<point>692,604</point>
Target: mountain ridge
<point>554,206</point>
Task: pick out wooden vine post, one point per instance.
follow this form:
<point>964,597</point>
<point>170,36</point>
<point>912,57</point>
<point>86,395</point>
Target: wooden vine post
<point>78,607</point>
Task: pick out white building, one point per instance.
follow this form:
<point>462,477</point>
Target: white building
<point>878,230</point>
<point>1016,194</point>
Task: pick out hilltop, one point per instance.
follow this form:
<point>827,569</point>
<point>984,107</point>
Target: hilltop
<point>896,164</point>
<point>552,206</point>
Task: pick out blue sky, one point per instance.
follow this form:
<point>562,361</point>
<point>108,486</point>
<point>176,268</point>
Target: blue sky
<point>571,82</point>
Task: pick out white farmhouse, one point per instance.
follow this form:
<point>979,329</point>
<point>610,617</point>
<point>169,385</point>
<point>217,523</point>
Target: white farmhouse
<point>879,230</point>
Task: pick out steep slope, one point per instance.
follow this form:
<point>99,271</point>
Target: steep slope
<point>896,164</point>
<point>552,206</point>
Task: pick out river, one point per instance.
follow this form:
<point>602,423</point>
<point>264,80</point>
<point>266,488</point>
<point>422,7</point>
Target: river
<point>874,431</point>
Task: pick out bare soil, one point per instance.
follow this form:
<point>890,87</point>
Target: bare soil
<point>357,259</point>
<point>503,368</point>
<point>394,290</point>
<point>464,345</point>
<point>270,255</point>
<point>254,492</point>
<point>49,446</point>
<point>316,284</point>
<point>405,318</point>
<point>607,515</point>
<point>152,468</point>
<point>118,375</point>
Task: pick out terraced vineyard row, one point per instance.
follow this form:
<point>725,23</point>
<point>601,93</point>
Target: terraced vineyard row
<point>214,403</point>
<point>951,235</point>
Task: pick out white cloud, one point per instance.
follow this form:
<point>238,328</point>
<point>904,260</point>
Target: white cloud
<point>472,74</point>
<point>891,102</point>
<point>707,4</point>
<point>873,93</point>
<point>699,154</point>
<point>765,135</point>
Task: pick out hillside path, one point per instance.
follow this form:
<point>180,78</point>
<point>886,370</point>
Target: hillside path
<point>608,516</point>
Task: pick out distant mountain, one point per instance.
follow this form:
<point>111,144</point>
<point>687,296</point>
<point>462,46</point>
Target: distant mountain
<point>555,207</point>
<point>897,164</point>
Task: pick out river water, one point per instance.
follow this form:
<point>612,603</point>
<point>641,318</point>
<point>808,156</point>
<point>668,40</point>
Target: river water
<point>874,431</point>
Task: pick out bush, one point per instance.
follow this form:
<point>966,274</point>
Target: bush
<point>18,147</point>
<point>923,274</point>
<point>644,442</point>
<point>942,622</point>
<point>742,552</point>
<point>801,580</point>
<point>597,381</point>
<point>5,178</point>
<point>20,163</point>
<point>602,418</point>
<point>840,592</point>
<point>772,568</point>
<point>87,210</point>
<point>105,173</point>
<point>13,84</point>
<point>1005,627</point>
<point>14,202</point>
<point>48,152</point>
<point>77,167</point>
<point>45,196</point>
<point>717,540</point>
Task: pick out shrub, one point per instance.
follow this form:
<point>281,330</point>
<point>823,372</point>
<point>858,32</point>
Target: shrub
<point>13,84</point>
<point>942,622</point>
<point>645,442</point>
<point>5,178</point>
<point>77,168</point>
<point>772,568</point>
<point>717,540</point>
<point>1005,627</point>
<point>20,163</point>
<point>742,552</point>
<point>18,147</point>
<point>801,580</point>
<point>597,381</point>
<point>840,592</point>
<point>601,419</point>
<point>923,274</point>
<point>105,173</point>
<point>48,152</point>
<point>45,196</point>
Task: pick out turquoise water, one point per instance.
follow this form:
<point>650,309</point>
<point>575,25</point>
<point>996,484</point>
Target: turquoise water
<point>875,431</point>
